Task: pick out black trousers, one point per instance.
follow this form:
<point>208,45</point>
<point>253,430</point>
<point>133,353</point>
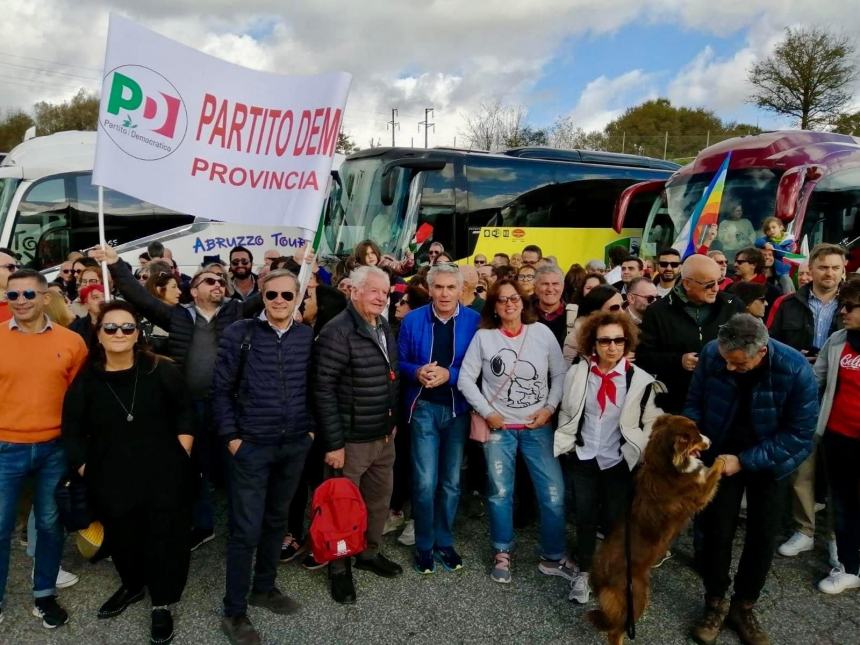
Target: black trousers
<point>261,483</point>
<point>841,458</point>
<point>151,548</point>
<point>599,495</point>
<point>719,521</point>
<point>402,490</point>
<point>312,476</point>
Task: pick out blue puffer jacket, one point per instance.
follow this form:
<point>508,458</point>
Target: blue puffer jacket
<point>784,408</point>
<point>272,405</point>
<point>415,347</point>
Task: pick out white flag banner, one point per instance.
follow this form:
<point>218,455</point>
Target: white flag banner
<point>198,135</point>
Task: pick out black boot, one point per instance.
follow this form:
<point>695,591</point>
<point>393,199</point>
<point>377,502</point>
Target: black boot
<point>162,626</point>
<point>342,586</point>
<point>119,602</point>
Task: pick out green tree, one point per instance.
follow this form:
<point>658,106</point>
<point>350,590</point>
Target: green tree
<point>79,113</point>
<point>345,144</point>
<point>809,77</point>
<point>12,129</point>
<point>847,124</point>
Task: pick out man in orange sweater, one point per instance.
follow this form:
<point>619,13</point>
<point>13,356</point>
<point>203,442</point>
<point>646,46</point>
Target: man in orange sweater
<point>38,361</point>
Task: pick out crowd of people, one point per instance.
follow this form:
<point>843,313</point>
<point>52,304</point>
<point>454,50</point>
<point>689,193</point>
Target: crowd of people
<point>425,383</point>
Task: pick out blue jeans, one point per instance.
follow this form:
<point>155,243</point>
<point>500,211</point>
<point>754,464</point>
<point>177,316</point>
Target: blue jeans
<point>47,463</point>
<point>536,448</point>
<point>438,439</point>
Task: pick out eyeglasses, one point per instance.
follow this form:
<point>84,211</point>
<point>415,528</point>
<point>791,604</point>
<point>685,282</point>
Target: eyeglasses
<point>403,301</point>
<point>111,329</point>
<point>29,294</point>
<point>286,295</point>
<point>606,342</point>
<point>240,262</point>
<point>480,289</point>
<point>211,282</point>
<point>479,263</point>
<point>11,268</point>
<point>66,271</point>
<point>722,263</point>
<point>650,299</point>
<point>525,278</point>
<point>742,261</point>
<point>506,299</point>
<point>666,265</point>
<point>434,253</point>
<point>614,307</point>
<point>847,306</point>
<point>90,281</point>
<point>707,286</point>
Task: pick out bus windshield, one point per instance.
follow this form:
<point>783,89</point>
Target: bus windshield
<point>7,191</point>
<point>749,197</point>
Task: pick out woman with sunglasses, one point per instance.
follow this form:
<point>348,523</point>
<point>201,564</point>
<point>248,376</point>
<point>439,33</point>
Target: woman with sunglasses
<point>135,460</point>
<point>521,369</point>
<point>754,297</point>
<point>604,426</point>
<point>603,297</point>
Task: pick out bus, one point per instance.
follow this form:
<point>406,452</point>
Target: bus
<point>477,202</point>
<point>49,207</point>
<point>809,180</point>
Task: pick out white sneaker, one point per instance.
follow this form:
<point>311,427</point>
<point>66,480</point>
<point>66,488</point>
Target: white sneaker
<point>579,589</point>
<point>833,553</point>
<point>64,578</point>
<point>394,522</point>
<point>838,581</point>
<point>796,544</point>
<point>407,538</point>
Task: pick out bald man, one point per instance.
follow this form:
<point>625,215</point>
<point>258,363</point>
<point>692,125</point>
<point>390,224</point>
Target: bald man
<point>468,297</point>
<point>676,327</point>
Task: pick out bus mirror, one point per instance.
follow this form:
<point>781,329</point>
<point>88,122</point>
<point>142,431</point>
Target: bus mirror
<point>788,192</point>
<point>627,195</point>
<point>414,165</point>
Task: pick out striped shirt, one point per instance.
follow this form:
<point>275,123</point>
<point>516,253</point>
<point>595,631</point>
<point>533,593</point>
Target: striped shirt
<point>822,316</point>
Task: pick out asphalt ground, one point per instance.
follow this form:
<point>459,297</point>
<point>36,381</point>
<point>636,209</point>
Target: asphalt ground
<point>459,607</point>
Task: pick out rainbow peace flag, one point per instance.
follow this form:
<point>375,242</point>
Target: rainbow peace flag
<point>705,214</point>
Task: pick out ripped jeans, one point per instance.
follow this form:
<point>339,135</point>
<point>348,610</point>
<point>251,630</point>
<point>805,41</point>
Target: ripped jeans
<point>545,470</point>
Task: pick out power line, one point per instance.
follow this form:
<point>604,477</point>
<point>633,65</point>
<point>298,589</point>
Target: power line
<point>427,125</point>
<point>394,124</point>
<point>44,70</point>
<point>50,62</point>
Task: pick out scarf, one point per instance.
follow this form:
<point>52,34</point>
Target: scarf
<point>607,389</point>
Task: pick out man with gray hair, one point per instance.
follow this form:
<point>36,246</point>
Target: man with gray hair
<point>356,382</point>
<point>595,266</point>
<point>757,401</point>
<point>433,341</point>
<point>549,285</point>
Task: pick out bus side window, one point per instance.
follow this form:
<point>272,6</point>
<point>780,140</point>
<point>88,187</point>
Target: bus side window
<point>43,210</point>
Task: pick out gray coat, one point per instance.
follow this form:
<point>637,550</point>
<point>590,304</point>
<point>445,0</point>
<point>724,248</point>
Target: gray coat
<point>826,370</point>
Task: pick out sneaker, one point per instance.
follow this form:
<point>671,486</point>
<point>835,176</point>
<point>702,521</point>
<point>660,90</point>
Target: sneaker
<point>448,557</point>
<point>310,564</point>
<point>407,538</point>
<point>838,581</point>
<point>743,619</point>
<point>819,507</point>
<point>580,591</point>
<point>501,568</point>
<point>239,630</point>
<point>706,631</point>
<point>665,557</point>
<point>290,549</point>
<point>423,562</point>
<point>273,600</point>
<point>832,553</point>
<point>564,568</point>
<point>50,612</point>
<point>64,578</point>
<point>380,565</point>
<point>796,544</point>
<point>161,630</point>
<point>199,537</point>
<point>395,522</point>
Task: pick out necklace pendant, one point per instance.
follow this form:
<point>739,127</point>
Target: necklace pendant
<point>130,417</point>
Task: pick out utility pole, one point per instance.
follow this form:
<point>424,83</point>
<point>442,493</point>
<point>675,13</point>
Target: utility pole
<point>428,112</point>
<point>665,144</point>
<point>623,140</point>
<point>393,124</point>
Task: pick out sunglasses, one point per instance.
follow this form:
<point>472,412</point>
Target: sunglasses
<point>707,286</point>
<point>480,262</point>
<point>286,295</point>
<point>722,263</point>
<point>403,301</point>
<point>847,306</point>
<point>111,329</point>
<point>666,265</point>
<point>650,299</point>
<point>525,278</point>
<point>90,281</point>
<point>66,271</point>
<point>11,268</point>
<point>28,294</point>
<point>507,299</point>
<point>614,307</point>
<point>211,282</point>
<point>240,262</point>
<point>434,252</point>
<point>606,342</point>
<point>742,261</point>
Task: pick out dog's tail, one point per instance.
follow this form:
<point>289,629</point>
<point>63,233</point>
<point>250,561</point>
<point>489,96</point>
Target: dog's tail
<point>600,620</point>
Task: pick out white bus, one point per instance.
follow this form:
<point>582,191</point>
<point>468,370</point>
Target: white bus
<point>49,207</point>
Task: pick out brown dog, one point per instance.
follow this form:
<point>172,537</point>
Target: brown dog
<point>671,486</point>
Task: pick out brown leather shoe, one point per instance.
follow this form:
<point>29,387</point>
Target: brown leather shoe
<point>743,619</point>
<point>705,631</point>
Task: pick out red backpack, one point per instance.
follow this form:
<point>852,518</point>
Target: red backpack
<point>338,520</point>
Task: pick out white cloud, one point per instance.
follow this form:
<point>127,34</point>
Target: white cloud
<point>604,99</point>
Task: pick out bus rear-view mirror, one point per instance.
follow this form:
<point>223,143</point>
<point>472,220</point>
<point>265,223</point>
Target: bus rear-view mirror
<point>788,192</point>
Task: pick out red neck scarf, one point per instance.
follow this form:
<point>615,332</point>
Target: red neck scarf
<point>607,388</point>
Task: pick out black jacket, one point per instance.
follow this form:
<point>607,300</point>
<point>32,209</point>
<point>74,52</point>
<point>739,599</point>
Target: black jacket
<point>178,320</point>
<point>794,324</point>
<point>138,463</point>
<point>668,332</point>
<point>272,401</point>
<point>355,385</point>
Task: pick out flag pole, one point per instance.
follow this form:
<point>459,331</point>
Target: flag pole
<point>103,242</point>
<point>305,270</point>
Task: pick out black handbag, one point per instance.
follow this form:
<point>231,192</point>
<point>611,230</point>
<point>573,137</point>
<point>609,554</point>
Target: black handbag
<point>73,503</point>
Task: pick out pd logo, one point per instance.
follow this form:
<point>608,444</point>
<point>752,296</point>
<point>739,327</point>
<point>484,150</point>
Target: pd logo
<point>142,112</point>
